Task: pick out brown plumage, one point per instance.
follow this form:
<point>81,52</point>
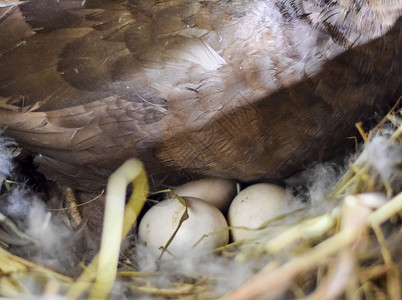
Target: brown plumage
<point>240,89</point>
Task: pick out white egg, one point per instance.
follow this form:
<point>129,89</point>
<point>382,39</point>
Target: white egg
<point>216,191</point>
<point>254,206</point>
<point>160,222</point>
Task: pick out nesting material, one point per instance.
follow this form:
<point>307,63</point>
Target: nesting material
<point>349,248</point>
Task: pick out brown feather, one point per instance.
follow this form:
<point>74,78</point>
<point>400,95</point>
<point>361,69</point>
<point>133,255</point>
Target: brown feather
<point>240,89</point>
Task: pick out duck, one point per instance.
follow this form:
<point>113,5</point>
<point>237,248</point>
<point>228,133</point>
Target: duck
<point>246,90</point>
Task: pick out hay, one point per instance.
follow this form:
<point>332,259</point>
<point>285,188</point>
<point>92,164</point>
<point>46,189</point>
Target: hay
<point>349,250</point>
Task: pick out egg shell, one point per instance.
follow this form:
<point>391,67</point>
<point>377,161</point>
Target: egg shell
<point>159,223</point>
<point>217,191</point>
<point>254,206</point>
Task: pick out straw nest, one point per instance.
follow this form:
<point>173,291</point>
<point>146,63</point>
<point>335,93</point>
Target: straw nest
<point>347,249</point>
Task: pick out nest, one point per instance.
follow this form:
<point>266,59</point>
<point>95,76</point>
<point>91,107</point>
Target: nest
<point>349,248</point>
